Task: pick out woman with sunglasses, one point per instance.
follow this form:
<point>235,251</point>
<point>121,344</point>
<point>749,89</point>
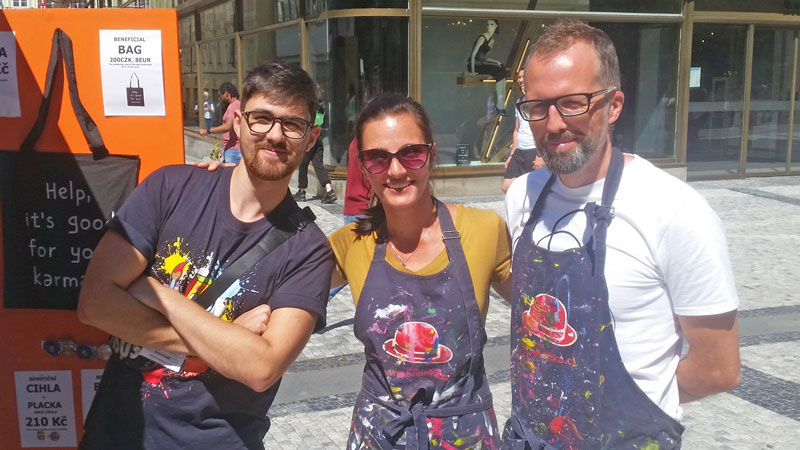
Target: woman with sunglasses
<point>420,272</point>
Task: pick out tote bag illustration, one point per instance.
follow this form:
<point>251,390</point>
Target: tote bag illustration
<point>55,204</point>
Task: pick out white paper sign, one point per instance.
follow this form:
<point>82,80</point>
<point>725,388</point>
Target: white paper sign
<point>45,408</point>
<point>90,381</point>
<point>9,90</point>
<point>694,76</point>
<point>132,72</point>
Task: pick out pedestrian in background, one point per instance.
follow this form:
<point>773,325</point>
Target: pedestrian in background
<point>229,95</point>
<point>208,111</point>
<point>523,157</point>
<point>315,157</point>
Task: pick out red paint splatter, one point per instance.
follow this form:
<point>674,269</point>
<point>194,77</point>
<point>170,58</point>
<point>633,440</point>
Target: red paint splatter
<point>563,427</point>
<point>154,378</point>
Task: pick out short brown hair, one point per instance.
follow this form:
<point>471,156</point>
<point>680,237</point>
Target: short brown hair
<point>565,33</point>
<point>282,83</point>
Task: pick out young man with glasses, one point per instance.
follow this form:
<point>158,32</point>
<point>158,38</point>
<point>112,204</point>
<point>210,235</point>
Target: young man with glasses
<point>180,230</point>
<point>614,264</point>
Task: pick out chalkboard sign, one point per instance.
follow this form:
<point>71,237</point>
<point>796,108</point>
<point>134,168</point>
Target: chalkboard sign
<point>55,206</point>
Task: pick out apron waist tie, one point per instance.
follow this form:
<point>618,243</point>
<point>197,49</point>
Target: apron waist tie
<point>413,419</point>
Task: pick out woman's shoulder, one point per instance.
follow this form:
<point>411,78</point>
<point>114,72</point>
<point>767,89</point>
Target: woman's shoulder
<point>485,220</point>
<point>346,233</point>
<point>346,237</point>
<point>472,213</point>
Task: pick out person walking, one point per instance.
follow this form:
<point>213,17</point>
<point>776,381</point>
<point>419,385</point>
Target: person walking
<point>314,156</point>
<point>229,95</point>
<point>523,157</point>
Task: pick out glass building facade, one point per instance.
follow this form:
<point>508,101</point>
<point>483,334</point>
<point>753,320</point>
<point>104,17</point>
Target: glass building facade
<point>711,86</point>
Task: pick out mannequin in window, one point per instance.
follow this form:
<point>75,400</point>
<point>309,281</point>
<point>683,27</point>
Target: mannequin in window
<point>479,63</point>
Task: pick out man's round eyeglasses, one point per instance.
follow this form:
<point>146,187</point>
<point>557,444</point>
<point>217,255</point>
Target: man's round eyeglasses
<point>260,122</point>
<point>567,105</point>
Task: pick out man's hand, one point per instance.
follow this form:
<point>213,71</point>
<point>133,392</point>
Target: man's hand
<point>212,166</point>
<point>256,319</point>
<point>538,162</point>
<point>145,290</point>
<point>508,160</point>
<point>202,131</point>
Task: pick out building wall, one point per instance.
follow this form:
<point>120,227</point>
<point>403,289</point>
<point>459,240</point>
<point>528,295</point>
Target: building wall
<point>710,85</point>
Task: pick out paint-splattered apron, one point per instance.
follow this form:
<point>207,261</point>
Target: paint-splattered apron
<point>424,384</point>
<point>570,389</point>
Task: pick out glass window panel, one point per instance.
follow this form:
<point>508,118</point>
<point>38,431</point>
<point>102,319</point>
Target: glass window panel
<point>217,20</point>
<point>773,6</point>
<point>190,117</point>
<point>318,6</point>
<point>259,13</point>
<point>273,45</point>
<point>218,65</point>
<point>648,61</point>
<point>714,136</point>
<point>188,61</point>
<point>353,60</point>
<point>770,93</point>
<point>463,108</point>
<point>649,6</point>
<point>186,30</point>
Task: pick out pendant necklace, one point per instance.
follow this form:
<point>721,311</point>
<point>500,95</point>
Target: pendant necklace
<point>403,262</point>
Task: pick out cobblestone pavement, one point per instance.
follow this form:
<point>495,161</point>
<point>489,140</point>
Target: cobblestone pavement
<point>762,219</point>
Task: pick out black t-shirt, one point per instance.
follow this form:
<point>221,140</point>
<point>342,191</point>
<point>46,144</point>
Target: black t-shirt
<point>179,218</point>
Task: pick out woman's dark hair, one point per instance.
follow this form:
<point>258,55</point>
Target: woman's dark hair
<point>388,104</point>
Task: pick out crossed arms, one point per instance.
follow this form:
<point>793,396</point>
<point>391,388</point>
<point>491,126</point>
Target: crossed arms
<point>255,350</point>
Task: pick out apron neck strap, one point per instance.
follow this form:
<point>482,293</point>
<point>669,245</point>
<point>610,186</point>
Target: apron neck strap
<point>599,217</point>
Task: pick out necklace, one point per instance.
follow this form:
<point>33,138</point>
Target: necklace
<point>403,262</point>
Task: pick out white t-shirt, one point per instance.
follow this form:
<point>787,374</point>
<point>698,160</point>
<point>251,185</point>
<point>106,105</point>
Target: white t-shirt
<point>208,109</point>
<point>667,256</point>
<point>524,136</point>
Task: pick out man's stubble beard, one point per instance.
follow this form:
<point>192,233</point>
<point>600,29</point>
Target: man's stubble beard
<point>567,163</point>
<point>270,170</point>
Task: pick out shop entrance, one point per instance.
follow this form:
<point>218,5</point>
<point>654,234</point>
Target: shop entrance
<point>742,90</point>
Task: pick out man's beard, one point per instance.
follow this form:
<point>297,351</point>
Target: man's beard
<point>270,170</point>
<point>569,162</point>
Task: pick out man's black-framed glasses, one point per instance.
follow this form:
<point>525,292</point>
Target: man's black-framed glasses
<point>567,105</point>
<point>412,156</point>
<point>261,122</point>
